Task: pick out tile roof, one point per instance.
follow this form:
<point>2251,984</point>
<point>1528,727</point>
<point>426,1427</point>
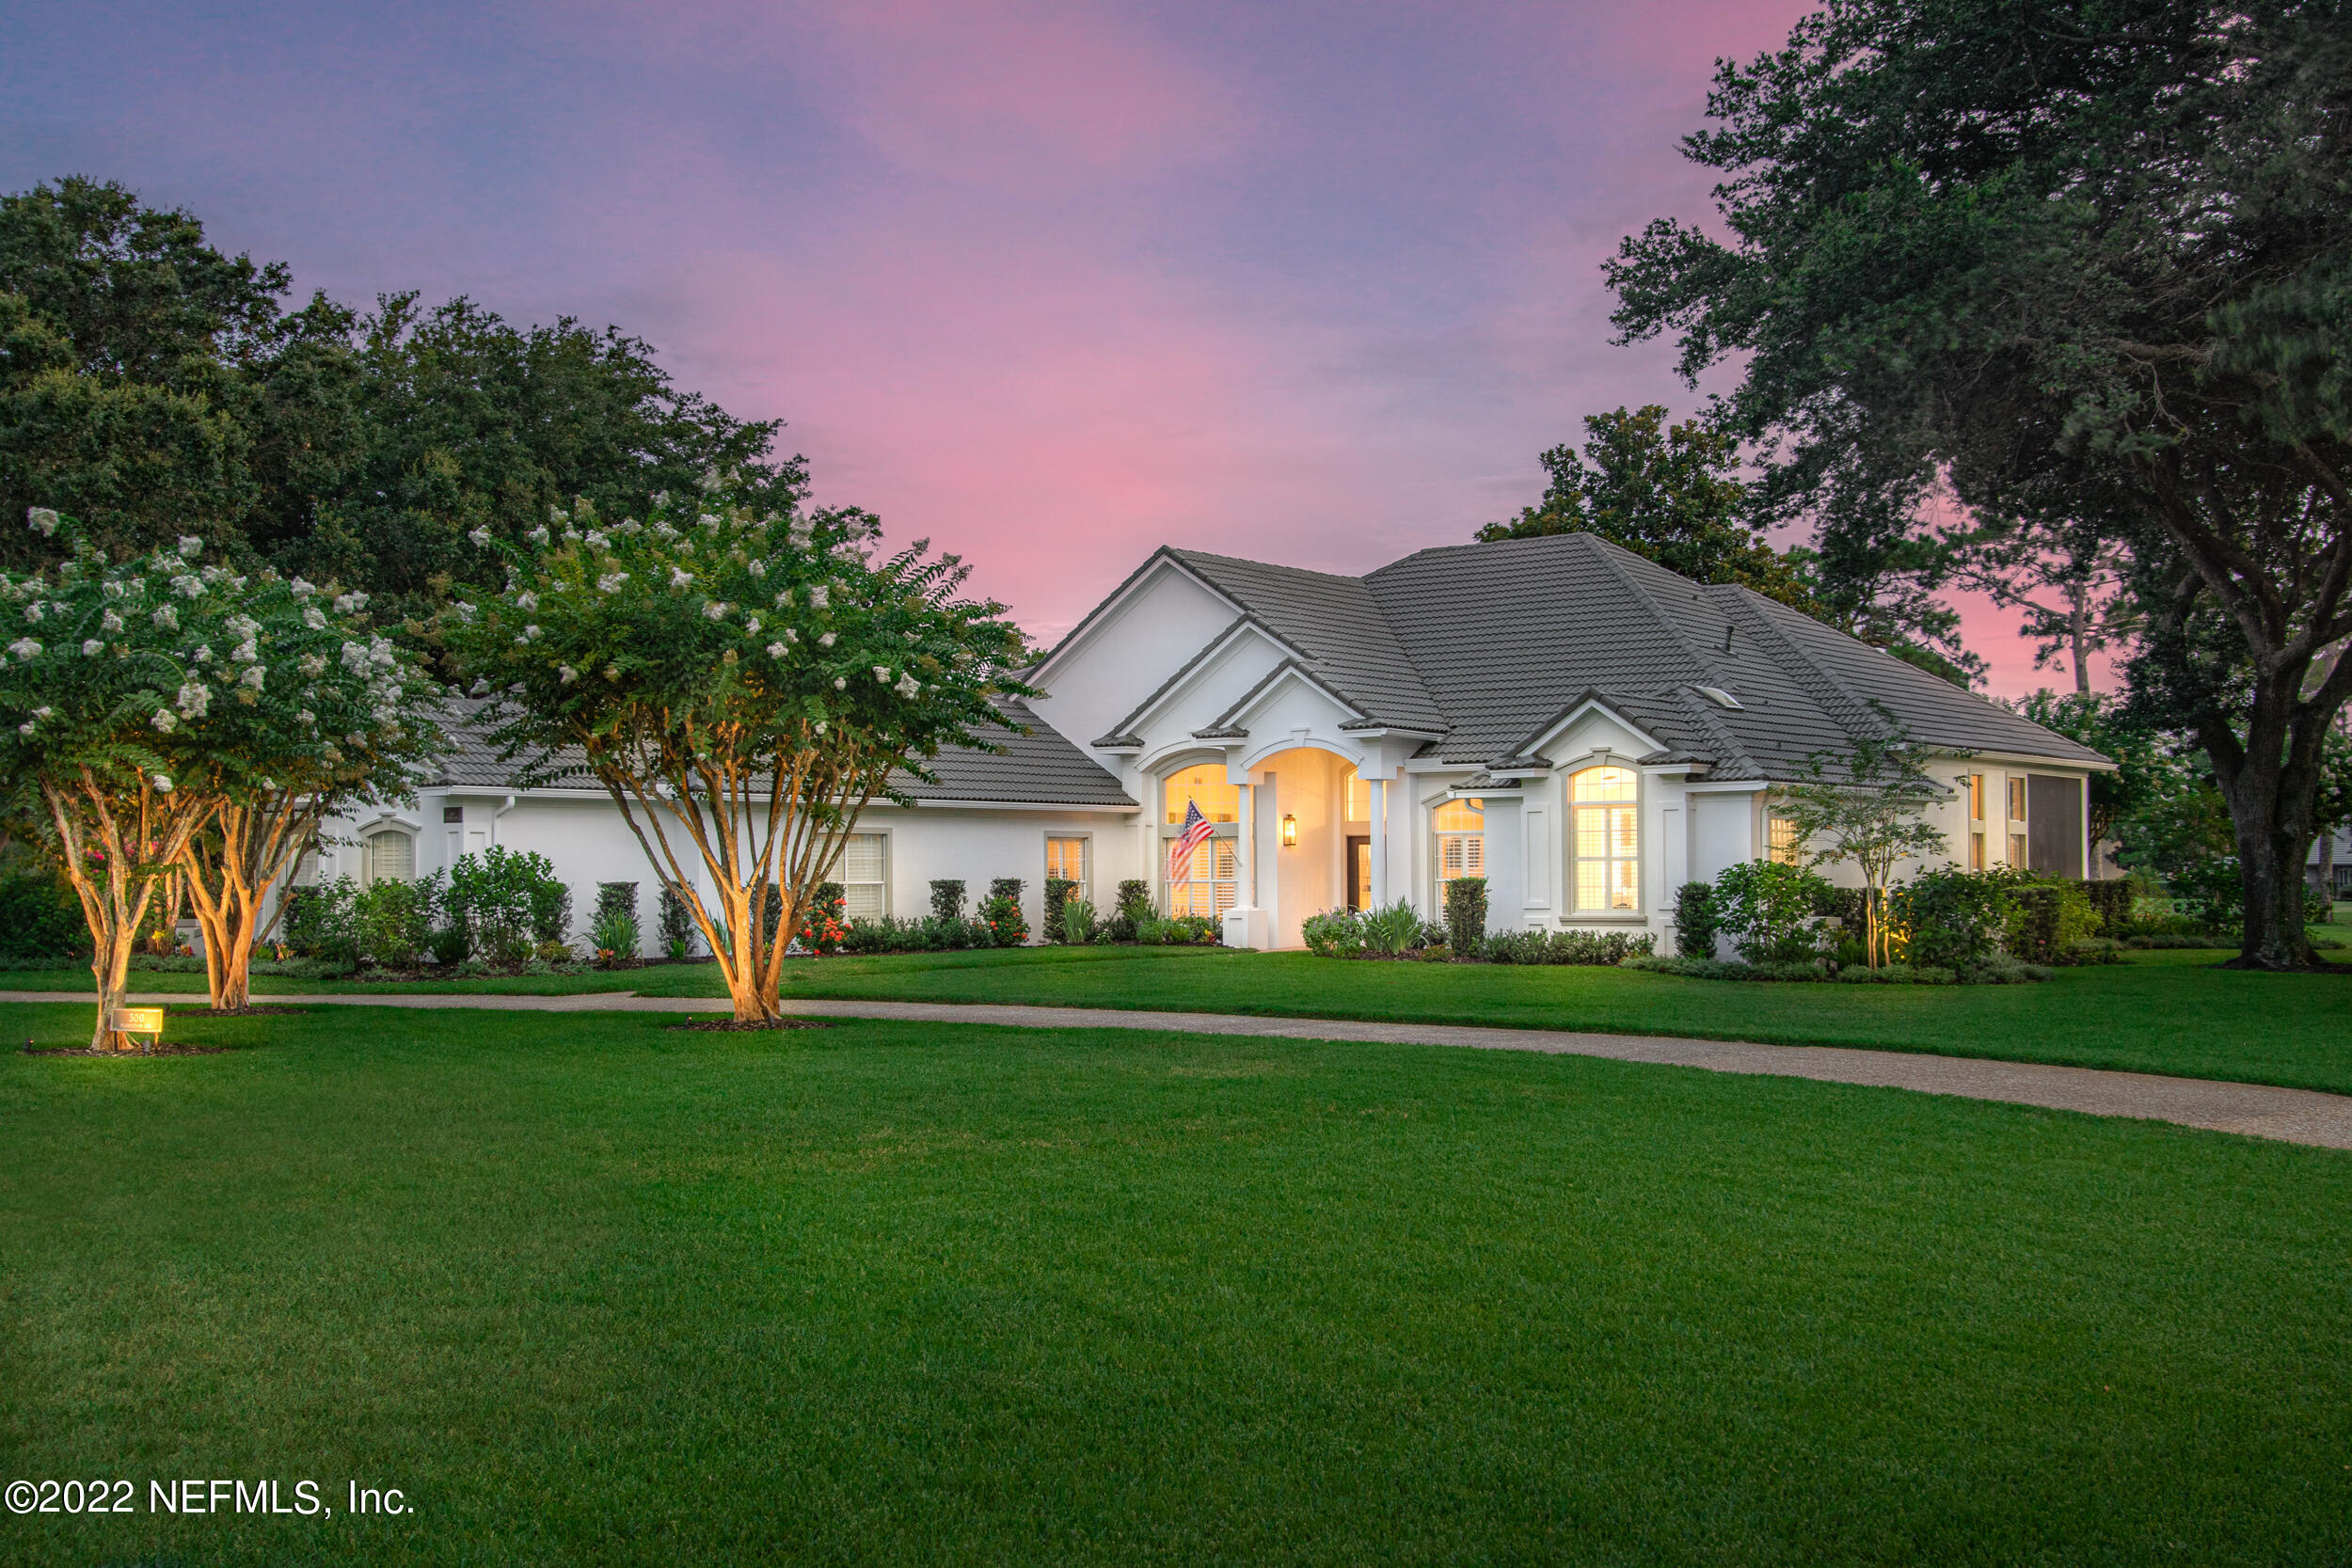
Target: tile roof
<point>1037,768</point>
<point>1489,645</point>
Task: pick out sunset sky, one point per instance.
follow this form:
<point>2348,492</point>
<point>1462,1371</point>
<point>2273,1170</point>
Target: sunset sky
<point>1051,284</point>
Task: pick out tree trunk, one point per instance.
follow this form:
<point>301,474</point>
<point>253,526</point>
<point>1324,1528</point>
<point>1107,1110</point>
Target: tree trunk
<point>2271,791</point>
<point>111,967</point>
<point>2079,625</point>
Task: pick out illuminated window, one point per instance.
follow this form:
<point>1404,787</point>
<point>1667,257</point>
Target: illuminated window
<point>865,876</point>
<point>1976,851</point>
<point>1786,845</point>
<point>1066,861</point>
<point>1975,797</point>
<point>1607,838</point>
<point>1357,803</point>
<point>2016,800</point>
<point>389,856</point>
<point>1219,801</point>
<point>1205,884</point>
<point>2017,822</point>
<point>1460,827</point>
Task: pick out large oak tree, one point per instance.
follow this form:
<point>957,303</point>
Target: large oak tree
<point>2069,260</point>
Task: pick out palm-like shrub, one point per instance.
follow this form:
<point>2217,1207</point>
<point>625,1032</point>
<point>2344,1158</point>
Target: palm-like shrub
<point>1077,922</point>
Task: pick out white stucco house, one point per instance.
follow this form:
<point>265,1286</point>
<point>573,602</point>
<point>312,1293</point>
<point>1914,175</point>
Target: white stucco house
<point>1583,727</point>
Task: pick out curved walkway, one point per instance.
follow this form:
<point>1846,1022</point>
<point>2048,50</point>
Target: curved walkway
<point>2256,1110</point>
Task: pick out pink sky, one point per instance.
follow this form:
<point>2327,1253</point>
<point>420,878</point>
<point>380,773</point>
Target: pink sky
<point>1050,284</point>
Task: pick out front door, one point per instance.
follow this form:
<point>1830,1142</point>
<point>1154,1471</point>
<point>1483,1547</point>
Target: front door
<point>1358,873</point>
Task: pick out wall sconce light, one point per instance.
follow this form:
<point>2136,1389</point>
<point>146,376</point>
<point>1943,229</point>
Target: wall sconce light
<point>1290,832</point>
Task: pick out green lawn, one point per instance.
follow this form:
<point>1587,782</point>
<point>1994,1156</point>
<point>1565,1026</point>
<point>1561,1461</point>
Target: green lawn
<point>588,1289</point>
<point>2157,1012</point>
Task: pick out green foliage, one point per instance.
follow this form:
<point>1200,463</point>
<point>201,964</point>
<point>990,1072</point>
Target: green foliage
<point>615,898</point>
<point>1567,947</point>
<point>1001,912</point>
<point>1669,493</point>
<point>1135,904</point>
<point>498,896</point>
<point>550,910</point>
<point>674,925</point>
<point>1076,924</point>
<point>1466,914</point>
<point>1697,919</point>
<point>1766,907</point>
<point>1953,919</point>
<point>318,924</point>
<point>2086,278</point>
<point>743,680</point>
<point>1333,933</point>
<point>615,937</point>
<point>1391,932</point>
<point>825,921</point>
<point>946,898</point>
<point>39,917</point>
<point>1057,891</point>
<point>392,920</point>
<point>1865,805</point>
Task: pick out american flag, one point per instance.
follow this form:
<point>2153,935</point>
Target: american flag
<point>1196,833</point>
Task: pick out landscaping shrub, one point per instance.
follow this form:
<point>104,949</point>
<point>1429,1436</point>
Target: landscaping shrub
<point>1391,932</point>
<point>2211,894</point>
<point>1002,912</point>
<point>1135,903</point>
<point>948,899</point>
<point>1728,969</point>
<point>392,921</point>
<point>1075,921</point>
<point>1951,919</point>
<point>615,898</point>
<point>1466,914</point>
<point>40,917</point>
<point>1697,919</point>
<point>824,922</point>
<point>1768,910</point>
<point>1897,975</point>
<point>317,924</point>
<point>498,896</point>
<point>615,938</point>
<point>1333,934</point>
<point>550,910</point>
<point>2046,920</point>
<point>675,925</point>
<point>1057,891</point>
<point>2111,902</point>
<point>450,945</point>
<point>1567,947</point>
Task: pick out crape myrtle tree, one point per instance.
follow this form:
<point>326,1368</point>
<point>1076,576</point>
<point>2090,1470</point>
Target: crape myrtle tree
<point>261,831</point>
<point>1867,804</point>
<point>2083,260</point>
<point>140,696</point>
<point>743,678</point>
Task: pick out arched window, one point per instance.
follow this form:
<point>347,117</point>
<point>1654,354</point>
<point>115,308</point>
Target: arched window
<point>1207,881</point>
<point>1219,801</point>
<point>1460,829</point>
<point>388,856</point>
<point>1607,835</point>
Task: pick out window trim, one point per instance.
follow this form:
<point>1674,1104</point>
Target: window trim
<point>841,865</point>
<point>367,850</point>
<point>1437,879</point>
<point>1639,911</point>
<point>1086,883</point>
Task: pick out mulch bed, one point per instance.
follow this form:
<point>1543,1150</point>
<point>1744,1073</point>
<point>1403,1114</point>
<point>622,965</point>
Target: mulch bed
<point>730,1025</point>
<point>169,1048</point>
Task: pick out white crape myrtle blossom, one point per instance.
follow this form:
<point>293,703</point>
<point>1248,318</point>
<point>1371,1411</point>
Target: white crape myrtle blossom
<point>662,633</point>
<point>481,536</point>
<point>350,603</point>
<point>152,702</point>
<point>540,536</point>
<point>41,520</point>
<point>25,647</point>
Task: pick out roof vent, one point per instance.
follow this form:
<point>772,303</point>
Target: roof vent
<point>1717,695</point>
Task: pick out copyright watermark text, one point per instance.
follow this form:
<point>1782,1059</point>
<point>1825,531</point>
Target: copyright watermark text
<point>115,1495</point>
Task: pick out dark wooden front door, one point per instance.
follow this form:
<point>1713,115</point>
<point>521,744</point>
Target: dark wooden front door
<point>1358,873</point>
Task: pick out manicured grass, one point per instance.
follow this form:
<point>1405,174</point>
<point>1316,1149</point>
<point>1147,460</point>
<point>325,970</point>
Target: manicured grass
<point>2169,1012</point>
<point>586,1290</point>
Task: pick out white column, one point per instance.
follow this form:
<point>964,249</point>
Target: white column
<point>1245,851</point>
<point>1380,847</point>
